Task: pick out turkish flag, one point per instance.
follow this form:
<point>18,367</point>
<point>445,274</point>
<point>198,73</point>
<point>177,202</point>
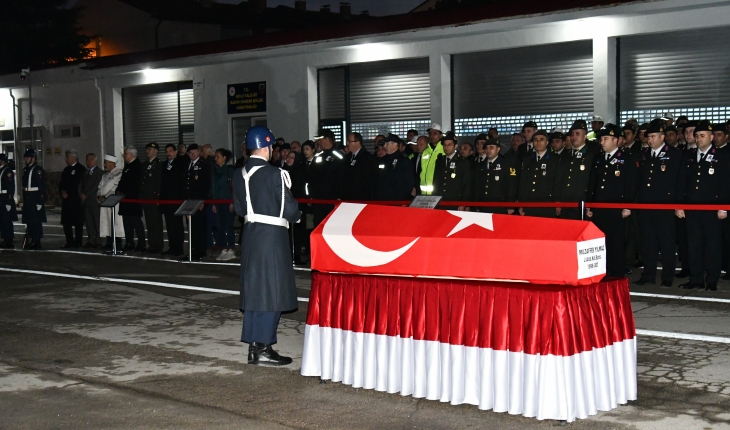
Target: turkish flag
<point>386,240</point>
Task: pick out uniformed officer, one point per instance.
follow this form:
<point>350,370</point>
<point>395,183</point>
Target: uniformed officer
<point>131,212</point>
<point>326,174</point>
<point>72,207</point>
<point>539,178</point>
<point>34,197</point>
<point>631,146</point>
<point>150,183</point>
<point>359,170</point>
<point>8,212</point>
<point>575,170</point>
<point>704,180</point>
<point>689,149</point>
<point>719,132</point>
<point>658,184</point>
<point>670,136</point>
<point>452,173</point>
<point>596,124</point>
<point>428,158</point>
<point>394,178</point>
<point>495,179</point>
<point>528,130</point>
<point>261,195</point>
<point>557,143</point>
<point>173,177</point>
<point>613,180</point>
<point>197,187</point>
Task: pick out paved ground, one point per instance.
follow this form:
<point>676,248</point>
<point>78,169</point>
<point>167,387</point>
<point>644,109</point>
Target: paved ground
<point>81,353</point>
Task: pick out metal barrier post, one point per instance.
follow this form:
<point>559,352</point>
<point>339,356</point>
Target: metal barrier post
<point>582,210</point>
<point>190,239</point>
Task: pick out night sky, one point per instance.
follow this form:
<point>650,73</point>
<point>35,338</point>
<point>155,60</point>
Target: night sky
<point>375,7</point>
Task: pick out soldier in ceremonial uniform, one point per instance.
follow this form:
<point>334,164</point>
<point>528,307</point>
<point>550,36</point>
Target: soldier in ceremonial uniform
<point>72,207</point>
<point>528,130</point>
<point>539,178</point>
<point>131,212</point>
<point>704,180</point>
<point>8,212</point>
<point>658,184</point>
<point>150,183</point>
<point>394,179</point>
<point>452,174</point>
<point>575,170</point>
<point>613,180</point>
<point>326,175</point>
<point>34,197</point>
<point>261,195</point>
<point>631,146</point>
<point>172,178</point>
<point>494,179</point>
<point>359,170</point>
<point>197,187</point>
<point>557,143</point>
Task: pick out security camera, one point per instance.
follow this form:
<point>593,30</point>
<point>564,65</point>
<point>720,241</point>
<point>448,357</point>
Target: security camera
<point>24,73</point>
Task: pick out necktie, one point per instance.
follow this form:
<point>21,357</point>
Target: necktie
<point>608,156</point>
<point>538,158</point>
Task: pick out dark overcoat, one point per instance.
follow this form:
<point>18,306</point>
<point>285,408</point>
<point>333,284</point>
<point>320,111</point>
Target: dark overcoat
<point>267,273</point>
<point>7,195</point>
<point>34,210</point>
<point>129,186</point>
<point>72,207</point>
<point>172,179</point>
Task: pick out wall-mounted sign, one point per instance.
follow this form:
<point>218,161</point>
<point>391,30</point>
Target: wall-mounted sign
<point>49,150</point>
<point>247,98</point>
<point>57,150</point>
<point>199,84</point>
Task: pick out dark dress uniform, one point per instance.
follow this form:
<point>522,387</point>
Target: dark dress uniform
<point>131,212</point>
<point>704,182</point>
<point>150,183</point>
<point>197,187</point>
<point>90,188</point>
<point>326,174</point>
<point>614,179</point>
<point>358,176</point>
<point>494,181</point>
<point>34,196</point>
<point>539,182</point>
<point>8,212</point>
<point>658,184</point>
<point>172,178</point>
<point>267,274</point>
<point>452,178</point>
<point>394,178</point>
<point>72,207</point>
<point>575,170</point>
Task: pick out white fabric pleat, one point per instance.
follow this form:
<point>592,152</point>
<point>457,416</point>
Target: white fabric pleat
<point>544,387</point>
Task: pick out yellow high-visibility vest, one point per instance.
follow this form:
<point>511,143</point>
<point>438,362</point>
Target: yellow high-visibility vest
<point>428,165</point>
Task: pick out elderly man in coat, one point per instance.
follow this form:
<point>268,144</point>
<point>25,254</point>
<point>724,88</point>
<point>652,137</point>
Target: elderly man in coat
<point>261,195</point>
<point>108,186</point>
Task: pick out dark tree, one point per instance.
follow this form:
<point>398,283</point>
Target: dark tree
<point>39,33</point>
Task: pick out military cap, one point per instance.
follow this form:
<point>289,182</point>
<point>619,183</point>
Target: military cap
<point>719,127</point>
<point>30,152</point>
<point>671,128</point>
<point>4,157</point>
<point>704,125</point>
<point>629,126</point>
<point>325,133</point>
<point>481,136</point>
<point>532,124</point>
<point>579,125</point>
<point>193,147</point>
<point>692,123</point>
<point>392,138</point>
<point>655,126</point>
<point>153,145</point>
<point>540,133</point>
<point>609,130</point>
<point>171,145</point>
<point>644,126</point>
<point>449,135</point>
<point>492,141</point>
<point>557,135</point>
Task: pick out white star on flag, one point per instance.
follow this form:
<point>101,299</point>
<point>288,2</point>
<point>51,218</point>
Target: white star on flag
<point>483,220</point>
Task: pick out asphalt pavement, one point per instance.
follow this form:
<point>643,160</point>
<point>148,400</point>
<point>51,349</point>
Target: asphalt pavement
<point>138,341</point>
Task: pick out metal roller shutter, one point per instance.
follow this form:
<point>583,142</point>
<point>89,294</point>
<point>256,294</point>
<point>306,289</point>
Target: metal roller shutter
<point>682,72</point>
<point>552,84</point>
<point>332,91</point>
<point>384,91</point>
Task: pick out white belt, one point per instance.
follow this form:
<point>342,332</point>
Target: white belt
<point>31,189</point>
<point>265,219</point>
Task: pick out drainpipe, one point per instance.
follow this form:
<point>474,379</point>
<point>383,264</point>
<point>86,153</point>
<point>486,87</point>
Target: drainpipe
<point>18,174</point>
<point>157,33</point>
<point>101,121</point>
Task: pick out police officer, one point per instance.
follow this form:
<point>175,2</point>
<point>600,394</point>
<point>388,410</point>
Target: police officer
<point>150,183</point>
<point>575,169</point>
<point>72,207</point>
<point>261,195</point>
<point>495,179</point>
<point>34,196</point>
<point>197,187</point>
<point>704,180</point>
<point>394,178</point>
<point>540,177</point>
<point>326,175</point>
<point>452,173</point>
<point>359,170</point>
<point>172,178</point>
<point>8,213</point>
<point>613,180</point>
<point>131,212</point>
<point>660,166</point>
<point>428,159</point>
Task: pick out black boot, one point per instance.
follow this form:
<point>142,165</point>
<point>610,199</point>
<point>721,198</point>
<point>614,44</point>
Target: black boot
<point>7,244</point>
<point>36,244</point>
<point>29,244</point>
<point>264,355</point>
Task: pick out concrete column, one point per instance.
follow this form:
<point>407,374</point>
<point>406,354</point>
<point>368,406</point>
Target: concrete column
<point>116,145</point>
<point>604,78</point>
<point>440,70</point>
<point>312,102</point>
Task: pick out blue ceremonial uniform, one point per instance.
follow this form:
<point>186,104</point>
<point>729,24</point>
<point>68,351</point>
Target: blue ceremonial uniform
<point>8,213</point>
<point>34,196</point>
